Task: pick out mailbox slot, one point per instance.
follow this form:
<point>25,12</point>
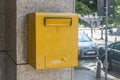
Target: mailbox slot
<point>57,21</point>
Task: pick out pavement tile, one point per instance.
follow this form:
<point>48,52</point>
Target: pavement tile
<point>87,74</point>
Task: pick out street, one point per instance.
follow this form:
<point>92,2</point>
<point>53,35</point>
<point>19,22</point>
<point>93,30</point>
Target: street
<point>86,70</point>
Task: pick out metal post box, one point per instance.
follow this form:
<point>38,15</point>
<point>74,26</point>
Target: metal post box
<point>52,40</point>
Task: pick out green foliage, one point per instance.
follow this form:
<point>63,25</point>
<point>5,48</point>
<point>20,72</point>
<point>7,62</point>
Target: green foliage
<point>84,23</point>
<point>85,6</point>
<point>116,19</point>
<point>82,8</point>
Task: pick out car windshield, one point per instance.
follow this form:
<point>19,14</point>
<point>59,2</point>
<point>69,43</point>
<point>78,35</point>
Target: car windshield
<point>83,37</point>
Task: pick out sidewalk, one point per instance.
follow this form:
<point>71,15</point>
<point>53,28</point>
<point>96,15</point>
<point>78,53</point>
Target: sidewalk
<point>87,71</point>
<point>87,74</point>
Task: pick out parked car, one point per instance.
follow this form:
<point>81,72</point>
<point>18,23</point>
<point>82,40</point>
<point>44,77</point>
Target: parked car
<point>86,46</point>
<point>113,55</point>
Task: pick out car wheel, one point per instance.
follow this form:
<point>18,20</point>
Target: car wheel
<point>109,65</point>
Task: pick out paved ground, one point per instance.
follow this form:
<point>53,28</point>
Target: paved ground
<point>87,71</point>
<point>87,68</point>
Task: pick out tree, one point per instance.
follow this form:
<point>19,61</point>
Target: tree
<point>86,6</point>
<point>116,20</point>
<point>90,6</point>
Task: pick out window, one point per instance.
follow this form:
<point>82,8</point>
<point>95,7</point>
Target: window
<point>117,46</point>
<point>111,46</point>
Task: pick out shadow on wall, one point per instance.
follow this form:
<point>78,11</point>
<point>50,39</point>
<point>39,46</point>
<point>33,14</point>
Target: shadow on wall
<point>2,66</point>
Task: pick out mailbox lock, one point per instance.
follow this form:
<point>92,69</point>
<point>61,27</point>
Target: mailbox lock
<point>64,59</point>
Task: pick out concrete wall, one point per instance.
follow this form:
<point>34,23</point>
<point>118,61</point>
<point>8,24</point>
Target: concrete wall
<point>2,41</point>
<point>16,39</point>
<point>2,23</point>
<point>2,66</point>
<point>28,6</point>
<point>56,74</point>
<point>10,28</point>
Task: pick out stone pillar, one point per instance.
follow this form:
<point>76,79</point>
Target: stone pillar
<point>2,66</point>
<point>2,41</point>
<point>16,39</point>
<point>2,26</point>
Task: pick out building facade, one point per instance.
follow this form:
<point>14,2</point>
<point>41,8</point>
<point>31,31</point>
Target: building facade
<point>13,39</point>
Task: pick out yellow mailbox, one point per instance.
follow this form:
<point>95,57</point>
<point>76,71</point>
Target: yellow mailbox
<point>52,40</point>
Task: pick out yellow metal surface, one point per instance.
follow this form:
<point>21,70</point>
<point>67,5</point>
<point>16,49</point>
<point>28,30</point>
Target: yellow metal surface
<point>52,40</point>
<point>59,22</point>
<point>57,61</point>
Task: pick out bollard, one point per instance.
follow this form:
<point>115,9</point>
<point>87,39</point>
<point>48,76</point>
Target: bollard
<point>98,71</point>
